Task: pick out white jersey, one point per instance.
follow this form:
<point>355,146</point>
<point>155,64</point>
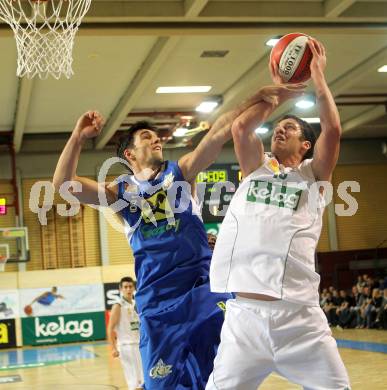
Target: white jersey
<point>267,241</point>
<point>127,328</point>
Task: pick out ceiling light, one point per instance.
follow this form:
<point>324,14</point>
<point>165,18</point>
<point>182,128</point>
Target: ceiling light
<point>305,104</point>
<point>180,132</point>
<point>272,41</point>
<point>261,130</point>
<point>383,69</point>
<point>186,89</point>
<point>311,120</point>
<point>208,106</point>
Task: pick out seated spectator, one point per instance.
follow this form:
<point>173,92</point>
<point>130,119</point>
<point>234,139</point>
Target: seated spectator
<point>330,310</point>
<point>336,298</point>
<point>354,294</point>
<point>373,308</point>
<point>361,305</point>
<point>346,318</point>
<point>323,297</point>
<point>360,283</point>
<point>371,283</point>
<point>381,319</point>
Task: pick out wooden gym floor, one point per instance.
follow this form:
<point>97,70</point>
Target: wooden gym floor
<point>364,353</point>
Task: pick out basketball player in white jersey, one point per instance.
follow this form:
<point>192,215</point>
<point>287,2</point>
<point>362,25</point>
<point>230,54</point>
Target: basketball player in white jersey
<point>265,252</point>
<point>124,336</point>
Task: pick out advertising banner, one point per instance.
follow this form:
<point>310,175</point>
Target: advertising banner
<point>63,328</point>
<point>7,333</point>
<point>112,294</point>
<point>9,304</point>
<point>61,300</point>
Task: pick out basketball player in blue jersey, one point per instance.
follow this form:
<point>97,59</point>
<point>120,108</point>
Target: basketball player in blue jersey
<point>180,319</point>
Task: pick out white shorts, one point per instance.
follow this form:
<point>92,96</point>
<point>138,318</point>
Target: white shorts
<point>260,337</point>
<point>131,363</point>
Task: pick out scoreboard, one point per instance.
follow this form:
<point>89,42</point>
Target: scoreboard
<point>215,188</point>
<point>3,206</point>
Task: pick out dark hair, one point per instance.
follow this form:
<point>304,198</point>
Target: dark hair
<point>127,279</point>
<point>308,134</point>
<point>127,140</point>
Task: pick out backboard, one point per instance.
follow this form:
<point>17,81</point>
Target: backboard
<point>14,244</point>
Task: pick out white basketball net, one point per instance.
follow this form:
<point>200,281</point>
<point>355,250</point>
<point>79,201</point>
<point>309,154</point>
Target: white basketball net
<point>44,32</point>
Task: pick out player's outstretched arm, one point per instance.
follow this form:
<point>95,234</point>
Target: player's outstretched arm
<point>210,146</point>
<point>89,125</point>
<point>113,322</point>
<point>43,295</point>
<point>326,150</point>
<point>248,146</point>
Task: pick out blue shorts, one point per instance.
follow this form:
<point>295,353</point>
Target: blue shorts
<point>178,345</point>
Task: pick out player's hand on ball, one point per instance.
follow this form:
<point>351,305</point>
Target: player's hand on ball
<point>274,72</point>
<point>319,60</point>
<point>89,125</point>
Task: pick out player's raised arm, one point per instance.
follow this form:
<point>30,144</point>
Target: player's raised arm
<point>89,125</point>
<point>326,150</point>
<point>248,146</point>
<point>210,146</point>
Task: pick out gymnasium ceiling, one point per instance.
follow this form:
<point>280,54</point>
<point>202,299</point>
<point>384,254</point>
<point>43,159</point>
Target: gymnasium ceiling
<point>126,49</point>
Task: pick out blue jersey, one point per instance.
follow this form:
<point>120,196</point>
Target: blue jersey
<point>167,237</point>
<point>47,299</point>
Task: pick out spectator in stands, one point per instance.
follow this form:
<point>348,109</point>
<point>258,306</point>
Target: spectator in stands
<point>360,283</point>
<point>330,310</point>
<point>373,307</point>
<point>354,295</point>
<point>345,316</point>
<point>323,297</point>
<point>211,238</point>
<point>371,283</point>
<point>381,319</point>
<point>361,306</point>
<point>336,298</point>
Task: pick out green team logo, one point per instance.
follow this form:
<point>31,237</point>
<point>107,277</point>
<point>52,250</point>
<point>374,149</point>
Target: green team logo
<point>274,194</point>
<point>160,370</point>
<point>149,231</point>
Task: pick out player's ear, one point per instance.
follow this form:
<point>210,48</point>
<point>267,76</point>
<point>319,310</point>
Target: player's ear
<point>129,155</point>
<point>306,145</point>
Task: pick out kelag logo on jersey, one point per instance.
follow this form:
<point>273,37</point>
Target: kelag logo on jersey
<point>159,208</point>
<point>273,194</point>
<point>149,231</point>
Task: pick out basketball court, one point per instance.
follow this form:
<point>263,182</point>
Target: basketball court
<point>116,56</point>
<point>89,366</point>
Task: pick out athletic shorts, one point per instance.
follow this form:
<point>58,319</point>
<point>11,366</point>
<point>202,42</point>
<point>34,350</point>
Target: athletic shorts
<point>131,364</point>
<point>260,337</point>
<point>178,345</point>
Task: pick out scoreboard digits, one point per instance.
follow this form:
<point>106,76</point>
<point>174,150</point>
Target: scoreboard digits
<point>217,173</point>
<point>212,176</point>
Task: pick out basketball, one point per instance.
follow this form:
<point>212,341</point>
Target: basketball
<point>292,56</point>
<point>28,310</point>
